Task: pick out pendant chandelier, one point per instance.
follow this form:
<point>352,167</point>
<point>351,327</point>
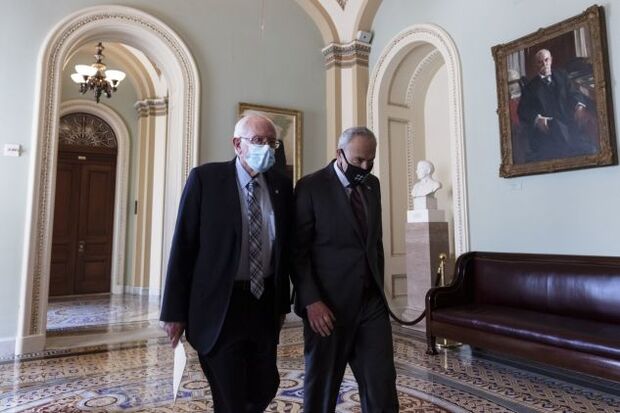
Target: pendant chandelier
<point>96,78</point>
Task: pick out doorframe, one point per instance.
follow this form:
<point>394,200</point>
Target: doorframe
<point>121,189</point>
<point>391,56</point>
<point>157,40</point>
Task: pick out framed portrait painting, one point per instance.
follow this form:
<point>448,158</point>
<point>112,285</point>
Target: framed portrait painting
<point>289,125</point>
<point>554,98</point>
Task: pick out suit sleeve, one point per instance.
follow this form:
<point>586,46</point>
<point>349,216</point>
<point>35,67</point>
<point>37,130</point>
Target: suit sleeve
<point>303,274</point>
<point>528,108</point>
<point>284,301</point>
<point>183,253</point>
<point>380,253</point>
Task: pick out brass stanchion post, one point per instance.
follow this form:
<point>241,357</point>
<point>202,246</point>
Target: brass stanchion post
<point>441,282</point>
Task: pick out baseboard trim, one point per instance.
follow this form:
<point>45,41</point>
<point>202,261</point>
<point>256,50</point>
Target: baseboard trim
<point>30,344</point>
<point>136,290</point>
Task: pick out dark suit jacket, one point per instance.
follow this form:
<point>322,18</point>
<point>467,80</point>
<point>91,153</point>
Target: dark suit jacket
<point>557,101</point>
<point>330,255</point>
<point>205,250</point>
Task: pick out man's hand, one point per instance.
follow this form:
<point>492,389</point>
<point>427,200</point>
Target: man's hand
<point>542,123</point>
<point>321,318</point>
<point>174,330</point>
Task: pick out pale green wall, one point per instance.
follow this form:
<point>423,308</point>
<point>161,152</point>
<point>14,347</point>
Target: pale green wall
<point>281,67</point>
<point>122,102</point>
<point>566,212</point>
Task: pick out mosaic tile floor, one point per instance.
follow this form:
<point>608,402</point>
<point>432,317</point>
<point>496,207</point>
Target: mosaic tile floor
<point>99,311</point>
<point>137,377</point>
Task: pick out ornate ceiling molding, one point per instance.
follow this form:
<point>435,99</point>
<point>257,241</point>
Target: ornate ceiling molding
<point>152,107</point>
<point>429,66</point>
<point>346,55</point>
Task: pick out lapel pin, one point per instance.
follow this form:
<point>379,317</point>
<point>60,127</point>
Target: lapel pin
<point>277,191</point>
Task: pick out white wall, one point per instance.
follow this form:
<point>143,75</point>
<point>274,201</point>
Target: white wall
<point>574,212</point>
<point>279,66</point>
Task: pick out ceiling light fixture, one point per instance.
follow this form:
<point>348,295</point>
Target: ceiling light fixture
<point>96,78</point>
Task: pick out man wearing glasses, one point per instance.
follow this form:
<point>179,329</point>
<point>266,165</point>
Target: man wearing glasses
<point>227,285</point>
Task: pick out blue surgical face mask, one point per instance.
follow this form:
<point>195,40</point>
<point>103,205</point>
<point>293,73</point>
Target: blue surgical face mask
<point>260,157</point>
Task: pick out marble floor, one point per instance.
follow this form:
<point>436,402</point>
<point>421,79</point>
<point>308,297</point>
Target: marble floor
<point>137,377</point>
<point>88,312</point>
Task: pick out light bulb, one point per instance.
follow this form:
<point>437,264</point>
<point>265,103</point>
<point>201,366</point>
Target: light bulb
<point>77,78</point>
<point>85,70</point>
<point>116,75</point>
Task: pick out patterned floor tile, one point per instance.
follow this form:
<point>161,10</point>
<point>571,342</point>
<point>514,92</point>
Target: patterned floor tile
<point>100,310</point>
<point>136,377</point>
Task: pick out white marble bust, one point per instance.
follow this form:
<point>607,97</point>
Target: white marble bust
<point>426,186</point>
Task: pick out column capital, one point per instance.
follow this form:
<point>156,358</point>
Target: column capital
<point>346,54</point>
<point>152,107</point>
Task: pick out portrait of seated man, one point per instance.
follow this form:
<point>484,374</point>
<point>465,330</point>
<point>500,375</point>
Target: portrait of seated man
<point>555,118</point>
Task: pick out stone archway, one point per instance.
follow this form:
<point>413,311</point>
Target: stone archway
<point>435,49</point>
<point>153,37</point>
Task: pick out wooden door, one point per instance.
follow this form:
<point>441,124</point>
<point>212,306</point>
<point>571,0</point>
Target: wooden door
<point>64,239</point>
<point>95,229</point>
<point>81,260</point>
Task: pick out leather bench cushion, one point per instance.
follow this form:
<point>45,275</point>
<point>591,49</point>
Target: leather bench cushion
<point>580,290</point>
<point>560,331</point>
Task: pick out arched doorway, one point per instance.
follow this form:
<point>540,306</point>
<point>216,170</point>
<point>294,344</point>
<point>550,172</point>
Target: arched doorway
<point>83,231</point>
<point>148,34</point>
<point>415,108</point>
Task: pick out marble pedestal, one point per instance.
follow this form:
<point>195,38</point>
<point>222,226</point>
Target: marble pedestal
<point>425,241</point>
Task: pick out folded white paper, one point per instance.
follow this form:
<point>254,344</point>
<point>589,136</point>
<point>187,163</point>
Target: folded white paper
<point>180,360</point>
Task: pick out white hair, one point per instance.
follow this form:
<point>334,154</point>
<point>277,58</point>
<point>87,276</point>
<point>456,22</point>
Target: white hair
<point>350,133</point>
<point>542,52</point>
<point>242,126</point>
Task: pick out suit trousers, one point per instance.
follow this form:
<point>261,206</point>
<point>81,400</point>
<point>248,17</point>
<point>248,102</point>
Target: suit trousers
<point>367,346</point>
<point>241,368</point>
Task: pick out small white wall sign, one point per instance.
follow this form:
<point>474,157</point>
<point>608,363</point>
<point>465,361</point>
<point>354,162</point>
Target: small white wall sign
<point>12,149</point>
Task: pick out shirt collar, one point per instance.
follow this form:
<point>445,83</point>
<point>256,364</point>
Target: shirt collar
<point>244,177</point>
<point>341,177</point>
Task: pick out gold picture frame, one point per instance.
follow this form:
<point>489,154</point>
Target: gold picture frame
<point>290,123</point>
<point>560,117</point>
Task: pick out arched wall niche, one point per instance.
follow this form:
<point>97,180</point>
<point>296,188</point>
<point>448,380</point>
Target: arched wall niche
<point>395,102</point>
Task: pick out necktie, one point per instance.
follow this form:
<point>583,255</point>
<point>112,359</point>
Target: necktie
<point>358,210</point>
<point>360,216</point>
<point>257,285</point>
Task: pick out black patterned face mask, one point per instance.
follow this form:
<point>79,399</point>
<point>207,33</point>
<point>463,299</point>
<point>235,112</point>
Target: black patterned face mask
<point>354,174</point>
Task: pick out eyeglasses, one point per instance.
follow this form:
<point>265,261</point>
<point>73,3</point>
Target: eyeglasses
<point>263,140</point>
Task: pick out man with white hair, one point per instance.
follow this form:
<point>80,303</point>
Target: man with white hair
<point>227,284</point>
